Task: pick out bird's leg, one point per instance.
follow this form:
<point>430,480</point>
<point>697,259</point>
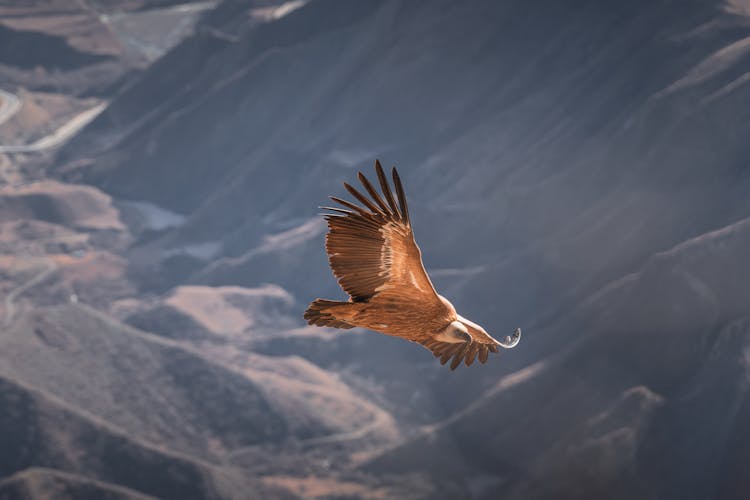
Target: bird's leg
<point>511,341</point>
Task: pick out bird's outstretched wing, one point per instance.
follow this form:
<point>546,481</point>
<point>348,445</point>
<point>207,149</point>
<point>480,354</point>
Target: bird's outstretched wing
<point>371,248</point>
<point>478,345</point>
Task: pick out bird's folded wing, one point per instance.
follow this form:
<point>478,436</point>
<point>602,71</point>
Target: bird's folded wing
<point>466,351</point>
<point>371,248</point>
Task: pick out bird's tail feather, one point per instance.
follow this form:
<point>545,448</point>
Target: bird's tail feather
<point>322,312</point>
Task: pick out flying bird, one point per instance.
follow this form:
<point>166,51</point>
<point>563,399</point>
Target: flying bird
<point>373,254</point>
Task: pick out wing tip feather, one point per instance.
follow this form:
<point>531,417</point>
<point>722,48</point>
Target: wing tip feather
<point>401,195</point>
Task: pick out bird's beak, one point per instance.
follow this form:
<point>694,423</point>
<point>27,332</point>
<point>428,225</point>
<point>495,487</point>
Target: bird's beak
<point>511,341</point>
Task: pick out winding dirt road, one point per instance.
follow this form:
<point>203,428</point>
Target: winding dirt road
<point>9,305</point>
<point>9,105</point>
<point>59,136</point>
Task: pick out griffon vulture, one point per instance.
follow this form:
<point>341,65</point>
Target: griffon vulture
<point>372,253</point>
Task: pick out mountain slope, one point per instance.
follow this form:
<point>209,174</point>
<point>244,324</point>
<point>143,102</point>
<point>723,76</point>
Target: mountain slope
<point>627,396</point>
<point>47,483</point>
<point>545,122</point>
<point>578,170</point>
<point>156,391</point>
<point>49,433</point>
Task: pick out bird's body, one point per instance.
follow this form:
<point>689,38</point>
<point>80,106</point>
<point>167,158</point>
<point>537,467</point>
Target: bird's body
<point>373,254</point>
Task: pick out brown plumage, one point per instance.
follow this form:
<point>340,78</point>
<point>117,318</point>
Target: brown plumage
<point>372,253</point>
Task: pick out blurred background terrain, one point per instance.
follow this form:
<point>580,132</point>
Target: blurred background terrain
<point>577,168</point>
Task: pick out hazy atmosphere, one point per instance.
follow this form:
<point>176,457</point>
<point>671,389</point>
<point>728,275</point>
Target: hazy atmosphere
<point>574,168</point>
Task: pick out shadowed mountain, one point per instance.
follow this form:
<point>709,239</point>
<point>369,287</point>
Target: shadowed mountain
<point>50,433</point>
<point>49,483</point>
<point>196,407</point>
<point>629,396</point>
<point>575,169</point>
<point>163,393</point>
<point>167,399</point>
<point>64,204</point>
<point>539,152</point>
<point>221,313</point>
<point>86,48</point>
<point>54,52</point>
<point>59,47</point>
<point>546,122</point>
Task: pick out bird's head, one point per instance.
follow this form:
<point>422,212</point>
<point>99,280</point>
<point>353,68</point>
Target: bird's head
<point>454,333</point>
<point>509,342</point>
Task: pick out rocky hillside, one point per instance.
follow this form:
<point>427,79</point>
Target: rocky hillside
<point>577,170</point>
